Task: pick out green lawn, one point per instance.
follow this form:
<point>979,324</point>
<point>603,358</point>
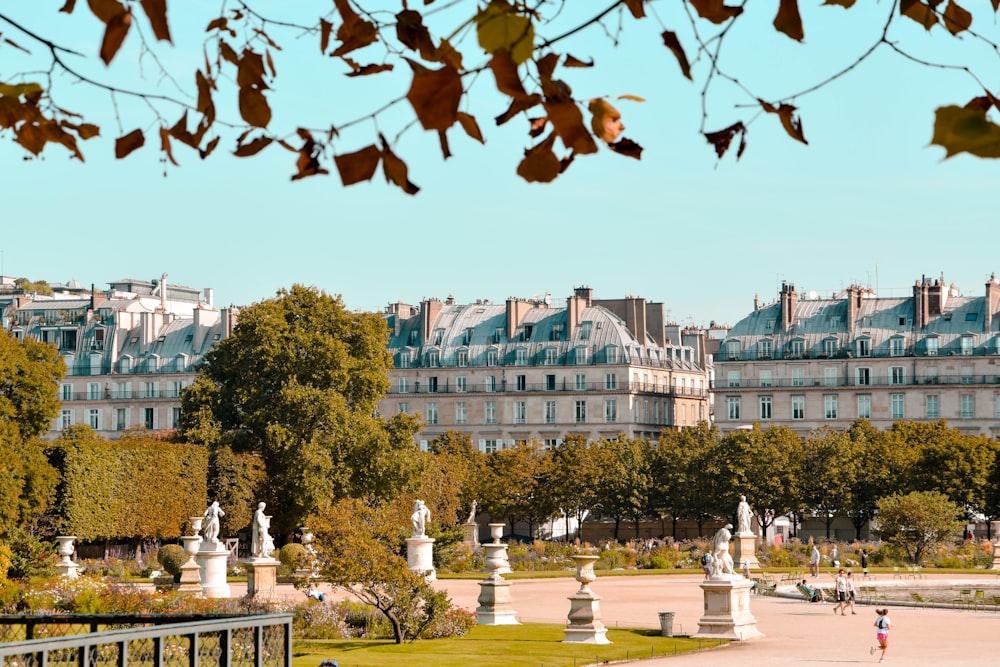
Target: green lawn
<point>527,645</point>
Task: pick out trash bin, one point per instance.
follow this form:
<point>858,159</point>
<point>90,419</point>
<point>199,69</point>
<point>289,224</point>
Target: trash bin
<point>667,623</point>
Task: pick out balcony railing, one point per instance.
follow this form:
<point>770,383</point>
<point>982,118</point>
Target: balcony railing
<point>122,395</point>
<point>250,641</point>
<point>508,387</point>
<point>823,382</point>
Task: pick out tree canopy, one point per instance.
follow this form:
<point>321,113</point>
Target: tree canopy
<point>235,78</point>
<point>298,384</point>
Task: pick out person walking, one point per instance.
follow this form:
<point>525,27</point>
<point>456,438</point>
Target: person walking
<point>814,561</point>
<point>864,563</point>
<point>840,591</point>
<point>882,627</point>
<point>852,593</point>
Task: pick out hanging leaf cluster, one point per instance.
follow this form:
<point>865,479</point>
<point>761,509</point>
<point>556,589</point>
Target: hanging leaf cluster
<point>502,40</point>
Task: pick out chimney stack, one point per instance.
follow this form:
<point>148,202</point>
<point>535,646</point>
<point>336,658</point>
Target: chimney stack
<point>789,303</point>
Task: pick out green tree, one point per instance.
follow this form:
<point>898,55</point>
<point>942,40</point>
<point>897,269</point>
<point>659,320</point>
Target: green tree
<point>437,54</point>
<point>515,486</point>
<point>359,547</point>
<point>237,481</point>
<point>917,521</point>
<point>574,480</point>
<point>681,483</point>
<point>298,383</point>
<point>949,461</point>
<point>625,480</point>
<point>830,469</point>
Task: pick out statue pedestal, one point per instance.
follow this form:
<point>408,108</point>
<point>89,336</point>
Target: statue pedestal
<point>190,572</point>
<point>996,556</point>
<point>727,610</point>
<point>745,550</point>
<point>262,577</point>
<point>66,567</point>
<point>213,558</point>
<point>470,535</point>
<point>585,626</point>
<point>420,556</point>
<point>495,600</point>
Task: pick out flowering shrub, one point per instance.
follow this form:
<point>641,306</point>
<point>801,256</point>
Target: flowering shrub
<point>454,622</point>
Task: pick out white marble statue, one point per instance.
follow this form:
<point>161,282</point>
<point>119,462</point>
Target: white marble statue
<point>212,516</point>
<point>421,515</point>
<point>720,551</point>
<point>472,513</point>
<point>744,517</point>
<point>261,544</point>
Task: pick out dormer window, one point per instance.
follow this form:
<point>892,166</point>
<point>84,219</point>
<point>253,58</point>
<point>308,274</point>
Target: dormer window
<point>557,331</point>
<point>764,349</point>
<point>896,347</point>
<point>520,356</point>
<point>796,348</point>
<point>438,336</point>
<point>492,356</point>
<point>526,332</point>
<point>830,347</point>
<point>403,360</point>
<point>462,358</point>
<point>967,344</point>
<point>468,336</point>
<point>414,338</point>
<point>433,359</point>
<point>931,344</point>
<point>863,346</point>
<point>733,350</point>
<point>585,328</point>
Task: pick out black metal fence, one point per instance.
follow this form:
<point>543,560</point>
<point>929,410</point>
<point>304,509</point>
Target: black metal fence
<point>146,641</point>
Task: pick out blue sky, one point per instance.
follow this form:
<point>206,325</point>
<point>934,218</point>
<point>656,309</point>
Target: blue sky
<point>868,200</point>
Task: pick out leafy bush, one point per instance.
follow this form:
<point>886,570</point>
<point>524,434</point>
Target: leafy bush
<point>452,622</point>
<point>294,556</point>
<point>30,556</point>
<point>171,557</point>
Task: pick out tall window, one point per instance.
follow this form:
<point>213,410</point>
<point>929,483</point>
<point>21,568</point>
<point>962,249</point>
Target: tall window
<point>551,356</point>
<point>432,384</point>
<point>830,406</point>
<point>550,412</point>
<point>175,417</point>
<point>897,405</point>
<point>585,328</point>
<point>764,349</point>
<point>765,407</point>
<point>968,402</point>
<point>580,412</point>
<point>461,384</point>
<point>733,349</point>
<point>150,418</point>
<point>581,382</point>
<point>491,412</point>
<point>521,382</point>
<point>996,408</point>
<point>830,347</point>
<point>94,419</point>
<point>932,346</point>
<point>796,348</point>
<point>897,375</point>
<point>433,359</point>
<point>610,381</point>
<point>66,418</point>
<point>149,390</point>
<point>733,407</point>
<point>864,347</point>
<point>66,392</point>
<point>967,343</point>
<point>830,376</point>
<point>404,385</point>
<point>610,411</point>
<point>798,377</point>
<point>862,376</point>
<point>93,391</point>
<point>581,355</point>
<point>933,410</point>
<point>520,412</point>
<point>864,406</point>
<point>557,331</point>
<point>966,374</point>
<point>550,382</point>
<point>492,356</point>
<point>520,356</point>
<point>120,421</point>
<point>766,378</point>
<point>460,412</point>
<point>733,378</point>
<point>490,383</point>
<point>404,408</point>
<point>432,413</point>
<point>462,358</point>
<point>798,407</point>
<point>895,347</point>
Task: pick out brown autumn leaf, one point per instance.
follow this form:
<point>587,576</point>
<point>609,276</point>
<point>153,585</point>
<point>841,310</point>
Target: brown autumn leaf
<point>635,6</point>
<point>395,170</point>
<point>359,165</point>
<point>573,61</point>
<point>114,35</point>
<point>413,34</point>
<point>956,19</point>
<point>788,20</point>
<point>919,12</point>
<point>228,53</point>
<point>540,164</point>
<point>627,147</point>
<point>435,95</point>
<point>721,139</point>
<point>443,141</point>
<point>209,147</point>
<point>254,107</point>
<point>547,66</point>
<point>250,70</point>
<point>536,126</point>
<point>355,32</point>
<point>252,148</point>
<point>206,107</point>
<point>447,54</point>
<point>846,4</point>
<point>471,127</point>
<point>567,120</point>
<point>128,143</point>
<point>996,5</point>
<point>786,113</point>
<point>605,120</point>
<point>156,12</point>
<point>31,136</point>
<point>965,130</point>
<point>505,73</point>
<point>365,70</point>
<point>671,42</point>
<point>68,7</point>
<point>105,10</point>
<point>87,131</point>
<point>165,145</point>
<point>517,106</point>
<point>14,44</point>
<point>308,161</point>
<point>325,28</point>
<point>715,11</point>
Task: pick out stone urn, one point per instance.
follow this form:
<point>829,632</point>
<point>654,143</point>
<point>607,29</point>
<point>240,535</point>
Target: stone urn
<point>585,572</point>
<point>307,538</point>
<point>196,524</point>
<point>66,567</point>
<point>496,558</point>
<point>496,531</point>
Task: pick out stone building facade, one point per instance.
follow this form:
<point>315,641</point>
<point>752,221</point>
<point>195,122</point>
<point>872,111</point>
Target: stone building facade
<point>806,362</point>
<point>526,370</point>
